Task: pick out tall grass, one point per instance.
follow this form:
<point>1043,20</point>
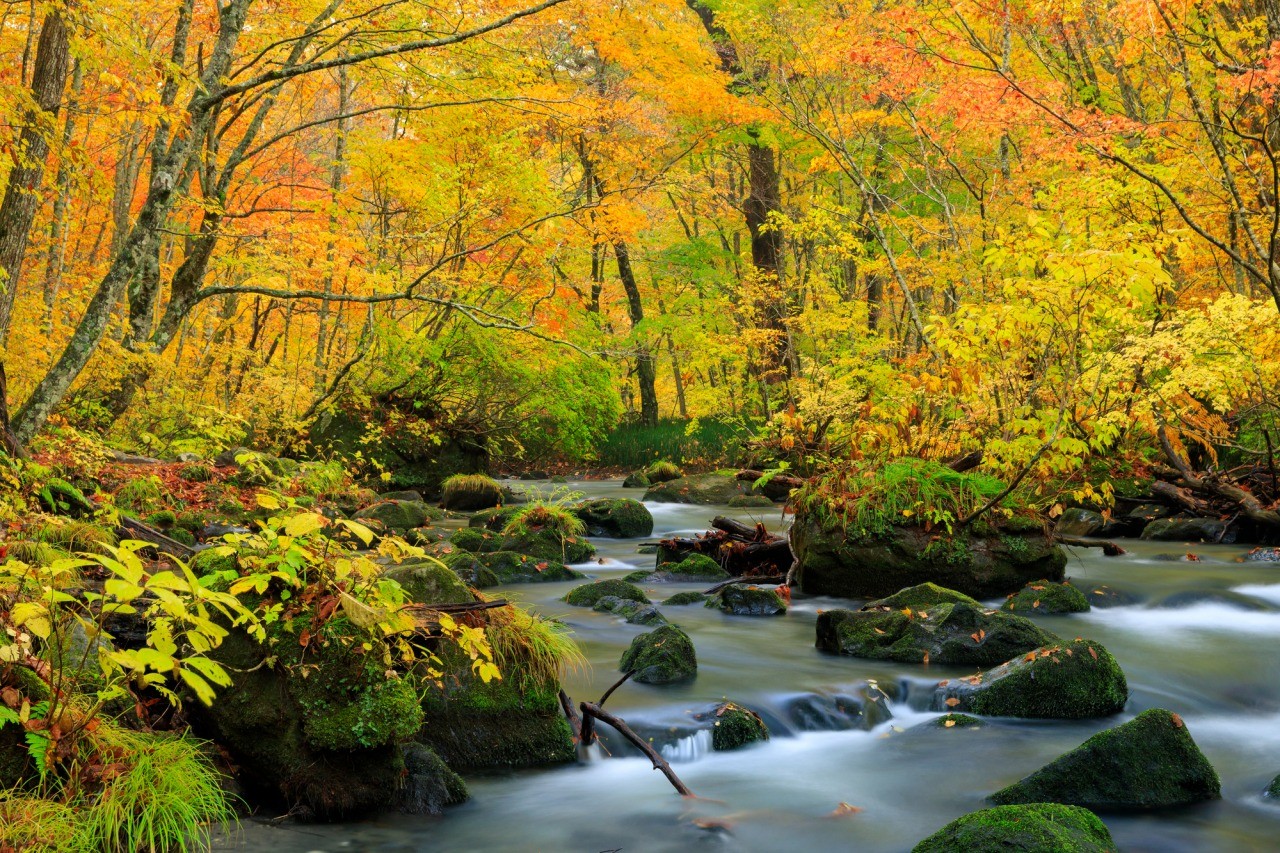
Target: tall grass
<point>530,650</point>
<point>545,517</point>
<point>703,443</point>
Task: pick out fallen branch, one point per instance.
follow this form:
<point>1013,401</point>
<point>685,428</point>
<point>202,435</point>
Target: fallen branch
<point>571,714</point>
<point>592,710</point>
<point>1111,549</point>
<point>134,529</point>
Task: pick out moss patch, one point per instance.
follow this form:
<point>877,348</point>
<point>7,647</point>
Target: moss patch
<point>1149,762</point>
<point>429,582</point>
<point>508,567</point>
<point>548,545</point>
<point>736,727</point>
<point>744,600</point>
<point>663,656</point>
<point>1037,828</point>
<point>475,540</point>
<point>588,594</point>
<point>682,598</point>
<point>1044,596</point>
<point>620,518</point>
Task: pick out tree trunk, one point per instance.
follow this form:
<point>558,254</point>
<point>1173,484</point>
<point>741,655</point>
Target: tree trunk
<point>646,370</point>
<point>21,199</point>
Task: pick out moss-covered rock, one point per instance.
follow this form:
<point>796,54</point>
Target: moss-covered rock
<point>664,656</point>
<point>635,612</point>
<point>831,563</point>
<point>494,519</point>
<point>952,633</point>
<point>588,594</point>
<point>735,727</point>
<point>1186,530</point>
<point>1037,828</point>
<point>636,480</point>
<point>1064,681</point>
<point>400,515</point>
<point>619,518</point>
<point>694,567</point>
<point>683,598</point>
<point>428,582</point>
<point>1079,522</point>
<point>954,721</point>
<point>1150,762</point>
<point>744,600</point>
<point>1045,596</point>
<point>750,502</point>
<point>549,545</point>
<point>474,539</point>
<point>385,711</point>
<point>920,597</point>
<point>508,567</point>
<point>1273,790</point>
<point>467,492</point>
<point>697,489</point>
<point>213,560</point>
<point>429,784</point>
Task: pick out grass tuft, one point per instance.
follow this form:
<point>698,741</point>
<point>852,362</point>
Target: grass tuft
<point>533,650</point>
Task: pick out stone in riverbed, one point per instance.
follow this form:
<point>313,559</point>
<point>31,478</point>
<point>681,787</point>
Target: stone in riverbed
<point>494,519</point>
<point>664,656</point>
<point>634,612</point>
<point>684,598</point>
<point>636,480</point>
<point>1188,530</point>
<point>1273,790</point>
<point>1045,596</point>
<point>429,785</point>
<point>549,545</point>
<point>736,727</point>
<point>1263,555</point>
<point>750,502</point>
<point>743,600</point>
<point>474,539</point>
<point>400,515</point>
<point>1150,762</point>
<point>694,567</point>
<point>508,567</point>
<point>588,594</point>
<point>618,518</point>
<point>1079,522</point>
<point>429,582</point>
<point>1063,681</point>
<point>1037,828</point>
<point>697,489</point>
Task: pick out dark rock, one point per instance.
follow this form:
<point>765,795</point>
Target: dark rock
<point>1044,596</point>
<point>429,784</point>
<point>697,489</point>
<point>1263,555</point>
<point>1065,681</point>
<point>1150,512</point>
<point>1187,530</point>
<point>1079,522</point>
<point>1273,790</point>
<point>636,480</point>
<point>743,600</point>
<point>1103,596</point>
<point>981,566</point>
<point>1037,828</point>
<point>633,611</point>
<point>1150,762</point>
<point>683,598</point>
<point>534,475</point>
<point>735,727</point>
<point>588,594</point>
<point>400,515</point>
<point>508,567</point>
<point>750,502</point>
<point>955,633</point>
<point>407,495</point>
<point>663,656</point>
<point>618,518</point>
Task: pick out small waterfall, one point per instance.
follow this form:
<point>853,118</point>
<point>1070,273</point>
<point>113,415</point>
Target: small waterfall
<point>689,748</point>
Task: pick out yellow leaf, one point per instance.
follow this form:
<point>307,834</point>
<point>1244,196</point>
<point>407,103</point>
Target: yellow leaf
<point>304,523</point>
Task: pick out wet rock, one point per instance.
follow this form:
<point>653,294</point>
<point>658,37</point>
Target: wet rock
<point>1150,512</point>
<point>750,502</point>
<point>1103,596</point>
<point>1194,598</point>
<point>923,595</point>
<point>618,518</point>
<point>508,567</point>
<point>1263,555</point>
<point>694,567</point>
<point>588,594</point>
<point>961,632</point>
<point>1150,762</point>
<point>534,475</point>
<point>494,519</point>
<point>1080,522</point>
<point>1037,828</point>
<point>407,495</point>
<point>634,612</point>
<point>743,600</point>
<point>429,582</point>
<point>400,515</point>
<point>683,598</point>
<point>636,480</point>
<point>735,727</point>
<point>664,656</point>
<point>697,489</point>
<point>429,785</point>
<point>1187,530</point>
<point>1065,681</point>
<point>982,566</point>
<point>467,492</point>
<point>1044,596</point>
<point>475,539</point>
<point>1273,790</point>
<point>953,721</point>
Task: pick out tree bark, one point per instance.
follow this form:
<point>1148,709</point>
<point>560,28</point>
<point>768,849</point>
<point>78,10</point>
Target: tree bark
<point>646,370</point>
<point>21,199</point>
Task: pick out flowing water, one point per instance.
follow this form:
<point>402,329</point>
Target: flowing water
<point>1198,638</point>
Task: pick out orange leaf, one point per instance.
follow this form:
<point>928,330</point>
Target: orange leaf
<point>926,658</point>
<point>952,702</point>
<point>949,723</point>
<point>845,810</point>
<point>1093,652</point>
<point>1177,721</point>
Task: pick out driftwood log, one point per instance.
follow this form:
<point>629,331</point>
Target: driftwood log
<point>740,549</point>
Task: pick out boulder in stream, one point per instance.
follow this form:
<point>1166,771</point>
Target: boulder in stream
<point>1150,762</point>
<point>735,727</point>
<point>715,488</point>
<point>468,492</point>
<point>494,519</point>
<point>1079,522</point>
<point>685,598</point>
<point>1187,530</point>
<point>429,785</point>
<point>664,656</point>
<point>1273,790</point>
<point>400,515</point>
<point>549,545</point>
<point>634,612</point>
<point>694,567</point>
<point>617,518</point>
<point>1063,681</point>
<point>484,570</point>
<point>1045,596</point>
<point>588,594</point>
<point>477,540</point>
<point>745,600</point>
<point>1036,828</point>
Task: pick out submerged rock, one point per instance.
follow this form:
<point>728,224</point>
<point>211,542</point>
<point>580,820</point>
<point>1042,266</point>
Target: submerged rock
<point>697,489</point>
<point>588,594</point>
<point>429,784</point>
<point>736,727</point>
<point>663,656</point>
<point>953,721</point>
<point>1037,828</point>
<point>1064,681</point>
<point>619,518</point>
<point>1103,596</point>
<point>634,612</point>
<point>982,566</point>
<point>1045,596</point>
<point>743,600</point>
<point>1150,762</point>
<point>960,632</point>
<point>1224,597</point>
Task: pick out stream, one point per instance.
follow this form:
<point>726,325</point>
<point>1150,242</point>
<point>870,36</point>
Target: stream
<point>842,728</point>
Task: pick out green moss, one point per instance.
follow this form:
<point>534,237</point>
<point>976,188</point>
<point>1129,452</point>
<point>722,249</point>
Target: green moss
<point>1064,681</point>
<point>470,492</point>
<point>474,539</point>
<point>620,518</point>
<point>663,656</point>
<point>494,519</point>
<point>1047,597</point>
<point>548,545</point>
<point>1273,790</point>
<point>636,480</point>
<point>399,515</point>
<point>1037,828</point>
<point>385,712</point>
<point>140,494</point>
<point>212,561</point>
<point>955,721</point>
<point>662,472</point>
<point>177,534</point>
<point>923,595</point>
<point>743,600</point>
<point>74,536</point>
<point>164,519</point>
<point>429,582</point>
<point>588,594</point>
<point>736,727</point>
<point>952,633</point>
<point>429,784</point>
<point>750,502</point>
<point>683,598</point>
<point>508,567</point>
<point>196,472</point>
<point>633,611</point>
<point>696,566</point>
<point>1149,762</point>
<point>192,520</point>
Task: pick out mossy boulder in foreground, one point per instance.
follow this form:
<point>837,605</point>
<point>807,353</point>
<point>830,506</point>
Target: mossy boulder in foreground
<point>1150,762</point>
<point>1036,828</point>
<point>735,727</point>
<point>847,566</point>
<point>618,518</point>
<point>588,594</point>
<point>959,631</point>
<point>1064,681</point>
<point>663,656</point>
<point>1045,596</point>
